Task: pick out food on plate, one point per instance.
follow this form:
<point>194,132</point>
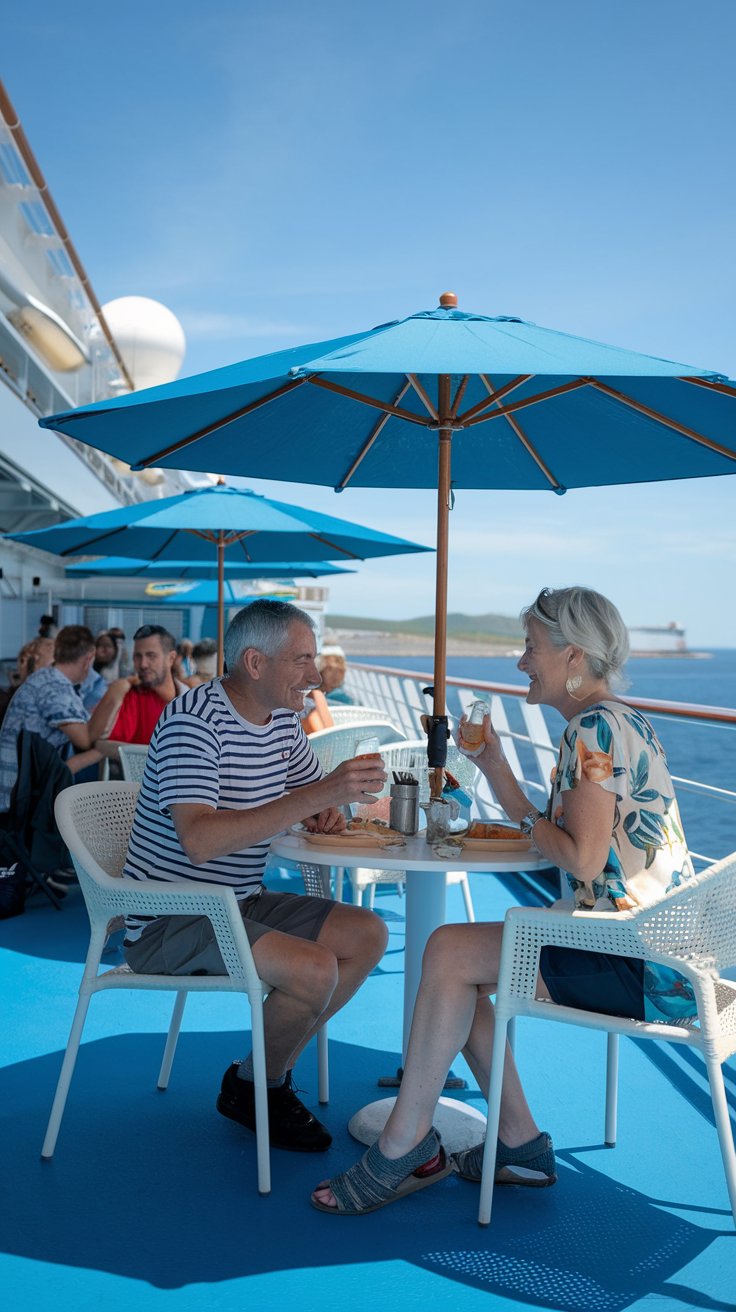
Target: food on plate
<point>378,828</point>
<point>481,829</point>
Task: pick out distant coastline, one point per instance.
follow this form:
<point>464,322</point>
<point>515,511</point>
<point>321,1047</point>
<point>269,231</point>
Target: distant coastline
<point>357,642</point>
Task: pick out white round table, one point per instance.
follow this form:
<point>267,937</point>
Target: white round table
<point>426,884</point>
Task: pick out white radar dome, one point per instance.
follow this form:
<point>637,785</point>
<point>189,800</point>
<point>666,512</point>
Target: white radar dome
<point>150,338</point>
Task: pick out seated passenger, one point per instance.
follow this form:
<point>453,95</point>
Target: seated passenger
<point>332,666</point>
<point>316,712</point>
<point>107,656</point>
<point>142,697</point>
<point>612,825</point>
<point>229,767</point>
<point>48,703</point>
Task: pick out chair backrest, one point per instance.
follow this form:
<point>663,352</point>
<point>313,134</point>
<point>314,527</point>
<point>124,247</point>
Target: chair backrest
<point>95,821</point>
<point>697,920</point>
<point>412,756</point>
<point>332,746</point>
<point>133,760</point>
<point>342,715</point>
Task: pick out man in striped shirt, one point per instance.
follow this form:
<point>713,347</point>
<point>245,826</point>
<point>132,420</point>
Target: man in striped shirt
<point>229,767</point>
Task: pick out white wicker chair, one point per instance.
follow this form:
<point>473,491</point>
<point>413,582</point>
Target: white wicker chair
<point>133,761</point>
<point>692,929</point>
<point>95,822</point>
<point>342,715</point>
<point>340,743</point>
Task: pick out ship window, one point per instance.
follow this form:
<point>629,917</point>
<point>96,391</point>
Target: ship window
<point>37,219</point>
<point>12,168</point>
<point>60,263</point>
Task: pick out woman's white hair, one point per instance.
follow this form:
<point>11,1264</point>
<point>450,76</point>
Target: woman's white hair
<point>263,624</point>
<point>580,617</point>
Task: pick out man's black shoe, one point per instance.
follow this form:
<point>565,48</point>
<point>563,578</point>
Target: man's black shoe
<point>290,1124</point>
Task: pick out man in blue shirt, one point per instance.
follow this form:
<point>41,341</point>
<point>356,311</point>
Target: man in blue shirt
<point>49,703</point>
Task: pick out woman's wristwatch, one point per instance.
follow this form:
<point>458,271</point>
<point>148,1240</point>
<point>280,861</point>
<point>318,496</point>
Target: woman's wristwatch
<point>528,821</point>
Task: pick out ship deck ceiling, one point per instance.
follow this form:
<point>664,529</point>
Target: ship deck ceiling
<point>151,1202</point>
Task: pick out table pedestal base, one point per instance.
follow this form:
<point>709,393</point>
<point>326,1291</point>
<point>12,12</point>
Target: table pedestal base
<point>459,1125</point>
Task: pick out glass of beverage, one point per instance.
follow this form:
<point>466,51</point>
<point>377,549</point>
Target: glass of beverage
<point>472,729</point>
<point>367,747</point>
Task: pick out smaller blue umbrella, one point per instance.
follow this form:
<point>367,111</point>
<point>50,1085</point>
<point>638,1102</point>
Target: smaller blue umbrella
<point>124,567</point>
<point>210,524</point>
<point>207,594</point>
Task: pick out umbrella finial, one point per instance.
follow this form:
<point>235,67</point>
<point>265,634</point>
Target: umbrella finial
<point>448,301</point>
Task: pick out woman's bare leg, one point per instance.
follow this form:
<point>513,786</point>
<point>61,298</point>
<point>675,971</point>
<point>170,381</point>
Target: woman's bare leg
<point>452,1013</point>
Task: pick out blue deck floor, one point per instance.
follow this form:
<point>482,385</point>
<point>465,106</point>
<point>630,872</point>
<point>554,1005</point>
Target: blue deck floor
<point>150,1202</point>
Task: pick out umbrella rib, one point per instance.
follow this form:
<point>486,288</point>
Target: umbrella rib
<point>340,487</point>
<point>502,391</point>
<point>710,385</point>
<point>342,551</point>
<point>89,547</point>
<point>525,401</point>
<point>219,423</point>
<point>554,483</point>
<point>459,396</point>
<point>423,397</point>
<point>689,433</point>
<point>156,554</point>
<point>373,401</point>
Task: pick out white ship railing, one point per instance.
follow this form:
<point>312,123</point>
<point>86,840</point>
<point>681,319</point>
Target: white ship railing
<point>532,753</point>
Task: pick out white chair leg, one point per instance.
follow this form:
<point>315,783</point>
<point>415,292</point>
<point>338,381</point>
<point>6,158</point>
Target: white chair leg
<point>495,1088</point>
<point>469,908</point>
<point>323,1068</point>
<point>171,1041</point>
<point>723,1126</point>
<point>371,896</point>
<point>611,1089</point>
<point>259,1081</point>
<point>339,882</point>
<point>65,1076</point>
<point>511,1036</point>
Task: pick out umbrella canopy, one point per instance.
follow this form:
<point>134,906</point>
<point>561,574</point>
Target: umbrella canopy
<point>518,406</point>
<point>122,566</point>
<point>209,523</point>
<point>207,594</point>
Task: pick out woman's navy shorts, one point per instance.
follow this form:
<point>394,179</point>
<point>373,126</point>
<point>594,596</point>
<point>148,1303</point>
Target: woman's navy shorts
<point>593,981</point>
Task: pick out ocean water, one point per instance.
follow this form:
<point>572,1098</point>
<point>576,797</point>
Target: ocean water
<point>702,752</point>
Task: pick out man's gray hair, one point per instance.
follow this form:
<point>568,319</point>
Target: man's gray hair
<point>263,624</point>
<point>580,617</point>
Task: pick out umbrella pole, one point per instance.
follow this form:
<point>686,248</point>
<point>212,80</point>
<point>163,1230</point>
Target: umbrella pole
<point>220,602</point>
<point>437,747</point>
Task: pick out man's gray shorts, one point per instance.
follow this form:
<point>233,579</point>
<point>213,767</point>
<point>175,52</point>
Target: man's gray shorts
<point>186,945</point>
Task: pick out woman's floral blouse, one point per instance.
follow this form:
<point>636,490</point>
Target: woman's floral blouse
<point>611,744</point>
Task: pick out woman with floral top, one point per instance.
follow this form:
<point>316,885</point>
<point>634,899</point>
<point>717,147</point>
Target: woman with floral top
<point>613,827</point>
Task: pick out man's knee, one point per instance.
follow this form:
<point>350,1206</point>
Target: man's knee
<point>373,934</point>
<point>317,978</point>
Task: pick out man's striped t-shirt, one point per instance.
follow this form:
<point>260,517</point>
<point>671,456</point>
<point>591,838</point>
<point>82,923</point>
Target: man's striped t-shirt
<point>203,751</point>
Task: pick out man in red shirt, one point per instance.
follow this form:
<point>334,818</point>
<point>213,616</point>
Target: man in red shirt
<point>151,688</point>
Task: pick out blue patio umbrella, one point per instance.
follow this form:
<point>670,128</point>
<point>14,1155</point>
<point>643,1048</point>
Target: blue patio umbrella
<point>124,567</point>
<point>207,594</point>
<point>209,524</point>
<point>518,406</point>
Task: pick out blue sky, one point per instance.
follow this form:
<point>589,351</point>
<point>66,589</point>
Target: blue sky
<point>281,172</point>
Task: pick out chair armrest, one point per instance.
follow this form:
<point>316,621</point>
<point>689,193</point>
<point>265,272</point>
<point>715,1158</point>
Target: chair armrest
<point>125,896</point>
<point>528,929</point>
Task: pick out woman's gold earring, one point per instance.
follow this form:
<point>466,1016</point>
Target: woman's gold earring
<point>573,683</point>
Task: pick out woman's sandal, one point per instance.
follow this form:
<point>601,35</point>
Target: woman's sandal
<point>375,1181</point>
<point>531,1164</point>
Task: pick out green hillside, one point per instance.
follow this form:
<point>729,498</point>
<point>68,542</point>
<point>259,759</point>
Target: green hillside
<point>474,628</point>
